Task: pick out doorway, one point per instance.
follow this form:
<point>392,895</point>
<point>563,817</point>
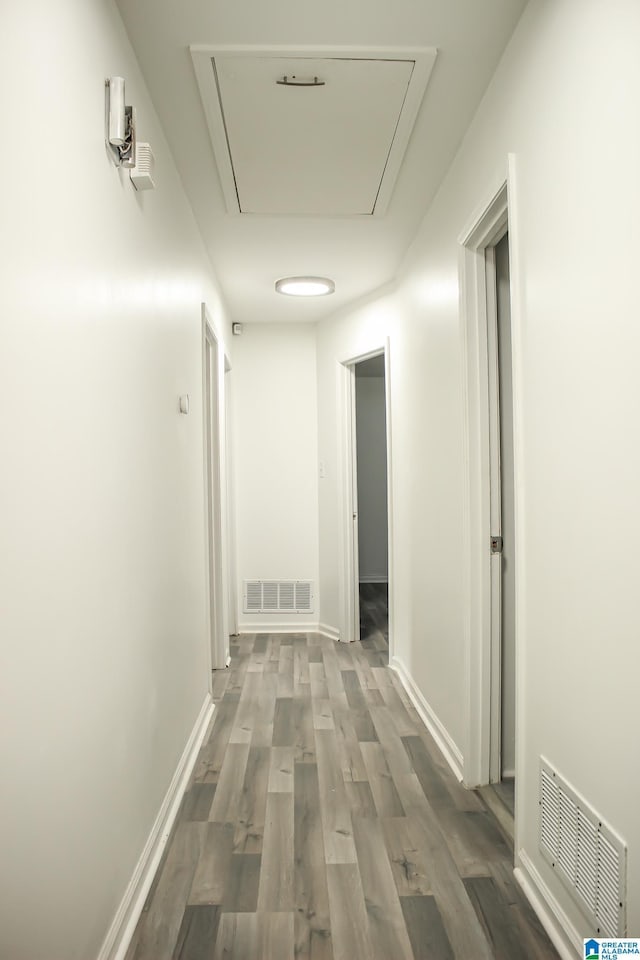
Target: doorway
<point>494,494</point>
<point>370,508</point>
<point>503,726</point>
<point>213,457</point>
<point>231,626</point>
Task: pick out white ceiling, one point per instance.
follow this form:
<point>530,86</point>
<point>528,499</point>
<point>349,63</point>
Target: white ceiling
<point>360,253</point>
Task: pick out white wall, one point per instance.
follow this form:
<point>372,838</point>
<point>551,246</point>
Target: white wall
<point>371,437</point>
<point>425,553</point>
<point>563,101</point>
<point>276,461</point>
<point>102,603</point>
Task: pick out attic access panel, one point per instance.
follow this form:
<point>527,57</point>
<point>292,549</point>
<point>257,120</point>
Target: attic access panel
<point>331,148</point>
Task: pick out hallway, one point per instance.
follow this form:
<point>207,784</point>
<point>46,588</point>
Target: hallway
<point>322,822</point>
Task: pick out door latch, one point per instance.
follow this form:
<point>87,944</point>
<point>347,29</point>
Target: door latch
<point>496,544</point>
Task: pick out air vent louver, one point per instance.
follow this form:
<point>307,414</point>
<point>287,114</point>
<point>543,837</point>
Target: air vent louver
<point>589,858</point>
<point>278,596</point>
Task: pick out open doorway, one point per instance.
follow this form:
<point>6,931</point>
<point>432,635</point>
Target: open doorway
<point>213,456</point>
<point>503,727</point>
<point>231,628</point>
<point>370,507</point>
<point>494,531</point>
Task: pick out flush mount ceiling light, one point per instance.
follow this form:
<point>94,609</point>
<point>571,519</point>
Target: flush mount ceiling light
<point>305,286</point>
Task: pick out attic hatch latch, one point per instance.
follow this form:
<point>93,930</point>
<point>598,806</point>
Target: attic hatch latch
<point>294,81</point>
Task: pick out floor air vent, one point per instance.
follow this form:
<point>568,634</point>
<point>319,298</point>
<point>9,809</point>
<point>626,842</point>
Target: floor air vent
<point>589,858</point>
<point>278,596</point>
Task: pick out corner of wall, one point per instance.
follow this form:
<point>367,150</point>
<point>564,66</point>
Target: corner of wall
<point>432,722</point>
<point>123,926</point>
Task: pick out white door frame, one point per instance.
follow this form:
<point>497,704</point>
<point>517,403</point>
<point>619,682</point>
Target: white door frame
<point>215,492</point>
<point>349,572</point>
<point>495,503</point>
<point>482,577</point>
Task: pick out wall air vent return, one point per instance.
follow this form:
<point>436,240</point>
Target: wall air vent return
<point>589,858</point>
<point>278,596</point>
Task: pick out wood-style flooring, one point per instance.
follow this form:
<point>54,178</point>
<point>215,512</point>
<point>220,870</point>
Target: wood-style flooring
<point>506,791</point>
<point>499,798</point>
<point>323,823</point>
<point>374,617</point>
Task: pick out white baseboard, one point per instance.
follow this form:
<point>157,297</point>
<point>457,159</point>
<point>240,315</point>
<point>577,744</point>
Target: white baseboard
<point>286,626</point>
<point>562,933</point>
<point>436,728</point>
<point>278,626</point>
<point>118,938</point>
<point>373,579</point>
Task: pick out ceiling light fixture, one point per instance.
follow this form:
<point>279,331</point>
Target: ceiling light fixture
<point>305,286</point>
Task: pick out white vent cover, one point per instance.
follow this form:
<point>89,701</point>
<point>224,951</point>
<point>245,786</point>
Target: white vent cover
<point>589,858</point>
<point>278,596</point>
<point>142,174</point>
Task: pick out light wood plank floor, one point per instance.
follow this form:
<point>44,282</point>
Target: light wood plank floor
<point>323,823</point>
<point>374,618</point>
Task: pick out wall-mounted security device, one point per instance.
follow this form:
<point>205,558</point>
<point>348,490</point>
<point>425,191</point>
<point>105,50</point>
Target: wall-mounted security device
<point>120,124</point>
<point>237,329</point>
<point>141,174</point>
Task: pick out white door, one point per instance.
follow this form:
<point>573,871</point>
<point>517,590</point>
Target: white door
<point>508,618</point>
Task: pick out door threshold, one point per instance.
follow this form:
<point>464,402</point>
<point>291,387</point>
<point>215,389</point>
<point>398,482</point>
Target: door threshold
<point>493,797</point>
